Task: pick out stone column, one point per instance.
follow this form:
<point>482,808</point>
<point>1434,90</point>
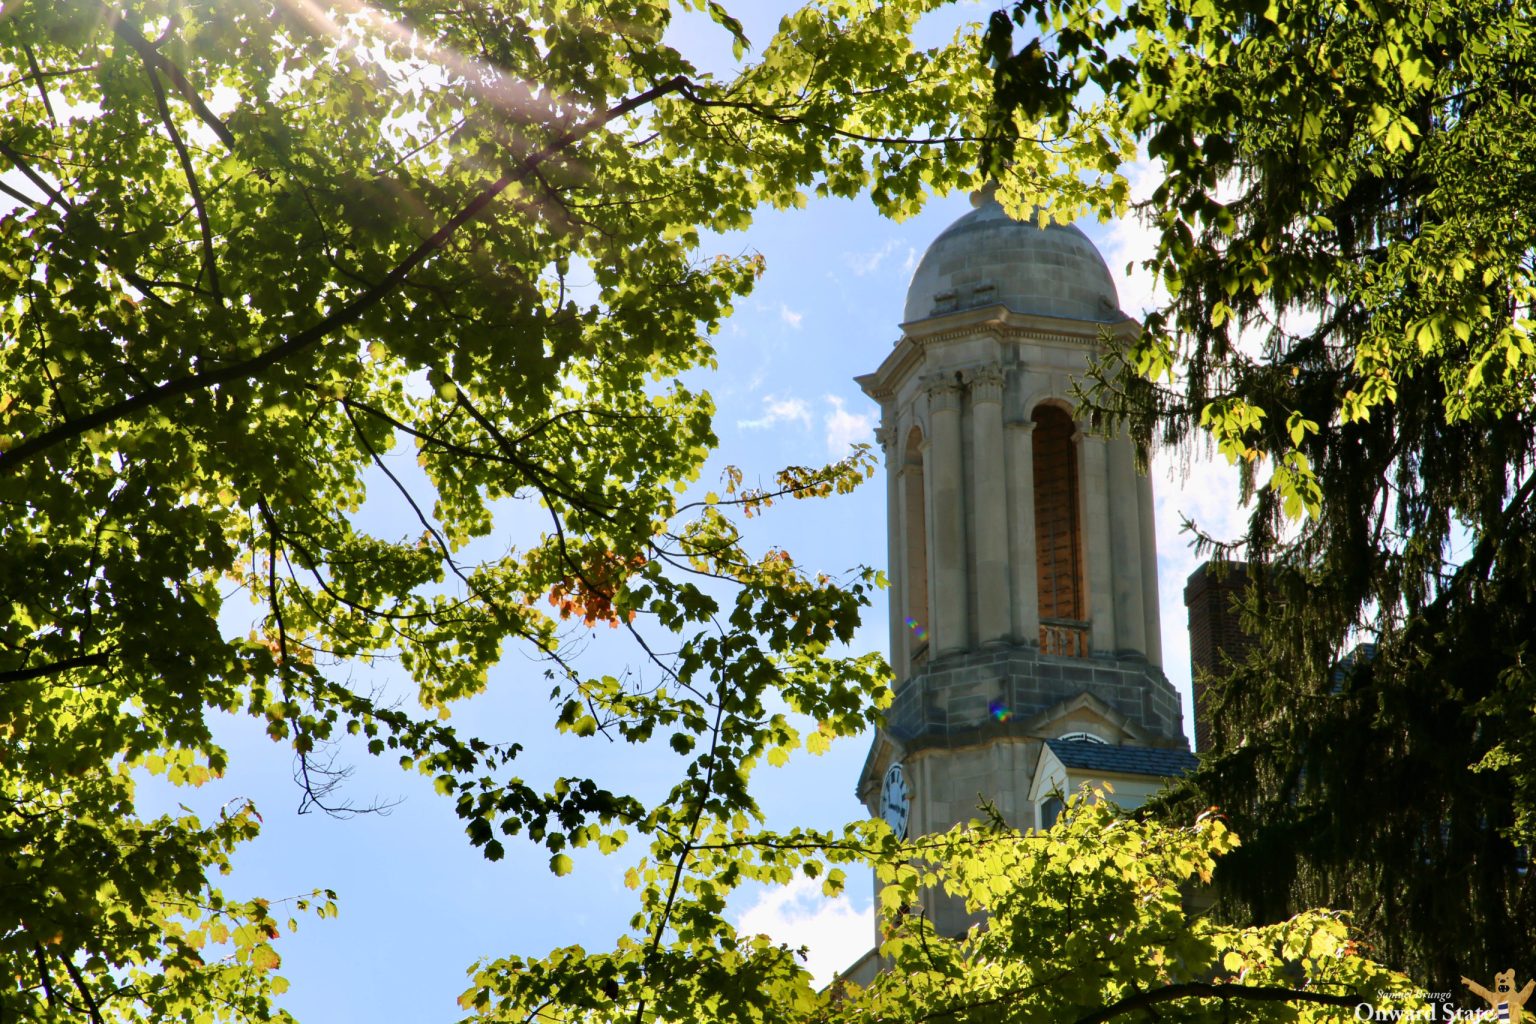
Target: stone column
<point>895,527</point>
<point>1125,534</point>
<point>1150,599</point>
<point>993,609</point>
<point>950,628</point>
<point>1021,504</point>
<point>1096,543</point>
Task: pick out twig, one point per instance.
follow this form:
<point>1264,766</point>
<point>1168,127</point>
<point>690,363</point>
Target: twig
<point>687,850</point>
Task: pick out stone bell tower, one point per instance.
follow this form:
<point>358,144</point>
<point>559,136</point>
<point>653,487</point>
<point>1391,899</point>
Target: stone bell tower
<point>1023,567</point>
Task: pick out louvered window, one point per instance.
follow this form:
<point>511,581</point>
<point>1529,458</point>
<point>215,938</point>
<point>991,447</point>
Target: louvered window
<point>1058,541</point>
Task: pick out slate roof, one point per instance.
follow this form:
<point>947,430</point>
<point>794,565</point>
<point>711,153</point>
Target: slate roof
<point>1122,760</point>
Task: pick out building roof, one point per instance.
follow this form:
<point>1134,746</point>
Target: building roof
<point>1122,760</point>
<point>986,258</point>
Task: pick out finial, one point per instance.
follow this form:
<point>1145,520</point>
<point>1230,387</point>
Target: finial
<point>987,193</point>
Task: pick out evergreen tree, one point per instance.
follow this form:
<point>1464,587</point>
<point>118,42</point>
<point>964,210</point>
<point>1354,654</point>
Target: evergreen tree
<point>1346,228</point>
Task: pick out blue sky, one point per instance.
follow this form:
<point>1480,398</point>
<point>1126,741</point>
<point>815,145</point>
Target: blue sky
<point>418,905</point>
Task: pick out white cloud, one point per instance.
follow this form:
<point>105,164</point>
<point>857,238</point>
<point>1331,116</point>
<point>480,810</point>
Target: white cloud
<point>833,933</point>
<point>790,317</point>
<point>779,410</point>
<point>1131,241</point>
<point>845,428</point>
<point>865,263</point>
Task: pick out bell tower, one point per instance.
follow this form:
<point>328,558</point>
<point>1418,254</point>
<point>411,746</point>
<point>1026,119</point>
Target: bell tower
<point>1023,566</point>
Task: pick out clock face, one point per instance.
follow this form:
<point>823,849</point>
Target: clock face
<point>895,800</point>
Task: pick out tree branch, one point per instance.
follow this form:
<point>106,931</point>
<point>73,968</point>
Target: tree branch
<point>53,194</point>
<point>153,59</point>
<point>19,675</point>
<point>85,992</point>
<point>210,267</point>
<point>1223,991</point>
<point>343,317</point>
<point>21,197</point>
<point>42,84</point>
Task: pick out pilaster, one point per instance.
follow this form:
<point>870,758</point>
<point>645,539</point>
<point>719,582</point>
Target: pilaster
<point>950,630</point>
<point>895,531</point>
<point>1021,500</point>
<point>1125,530</point>
<point>1151,602</point>
<point>993,607</point>
<point>1094,508</point>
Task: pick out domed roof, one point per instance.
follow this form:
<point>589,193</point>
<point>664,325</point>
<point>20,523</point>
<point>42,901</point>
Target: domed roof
<point>986,258</point>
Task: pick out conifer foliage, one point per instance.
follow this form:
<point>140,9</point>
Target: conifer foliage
<point>1346,226</point>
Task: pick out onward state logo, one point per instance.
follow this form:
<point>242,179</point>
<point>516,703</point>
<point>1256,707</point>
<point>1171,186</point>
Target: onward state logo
<point>1505,1005</point>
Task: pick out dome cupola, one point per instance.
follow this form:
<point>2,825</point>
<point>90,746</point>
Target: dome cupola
<point>987,258</point>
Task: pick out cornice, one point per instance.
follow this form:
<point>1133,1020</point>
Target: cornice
<point>997,323</point>
<point>1004,324</point>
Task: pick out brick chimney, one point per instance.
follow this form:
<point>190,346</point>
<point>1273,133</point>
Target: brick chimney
<point>1216,638</point>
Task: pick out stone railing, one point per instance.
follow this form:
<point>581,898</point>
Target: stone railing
<point>1066,638</point>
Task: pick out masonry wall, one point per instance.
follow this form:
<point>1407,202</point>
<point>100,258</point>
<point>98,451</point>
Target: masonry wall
<point>1216,636</point>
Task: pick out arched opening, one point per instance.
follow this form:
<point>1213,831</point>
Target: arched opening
<point>1050,810</point>
<point>915,545</point>
<point>1058,536</point>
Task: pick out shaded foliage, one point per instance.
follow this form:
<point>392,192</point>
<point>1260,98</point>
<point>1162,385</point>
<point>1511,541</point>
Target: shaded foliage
<point>1345,232</point>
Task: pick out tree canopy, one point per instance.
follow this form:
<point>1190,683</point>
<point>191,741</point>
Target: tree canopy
<point>250,250</point>
<point>1344,228</point>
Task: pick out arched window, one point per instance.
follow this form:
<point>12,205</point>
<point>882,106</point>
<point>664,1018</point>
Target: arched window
<point>915,542</point>
<point>1080,737</point>
<point>1058,540</point>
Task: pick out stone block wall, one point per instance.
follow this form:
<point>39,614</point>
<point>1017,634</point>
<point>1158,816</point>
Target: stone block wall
<point>973,696</point>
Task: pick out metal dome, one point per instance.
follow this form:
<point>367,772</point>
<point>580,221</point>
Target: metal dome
<point>986,258</point>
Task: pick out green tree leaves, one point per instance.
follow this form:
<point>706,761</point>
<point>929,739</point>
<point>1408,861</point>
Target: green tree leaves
<point>250,256</point>
<point>1089,923</point>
